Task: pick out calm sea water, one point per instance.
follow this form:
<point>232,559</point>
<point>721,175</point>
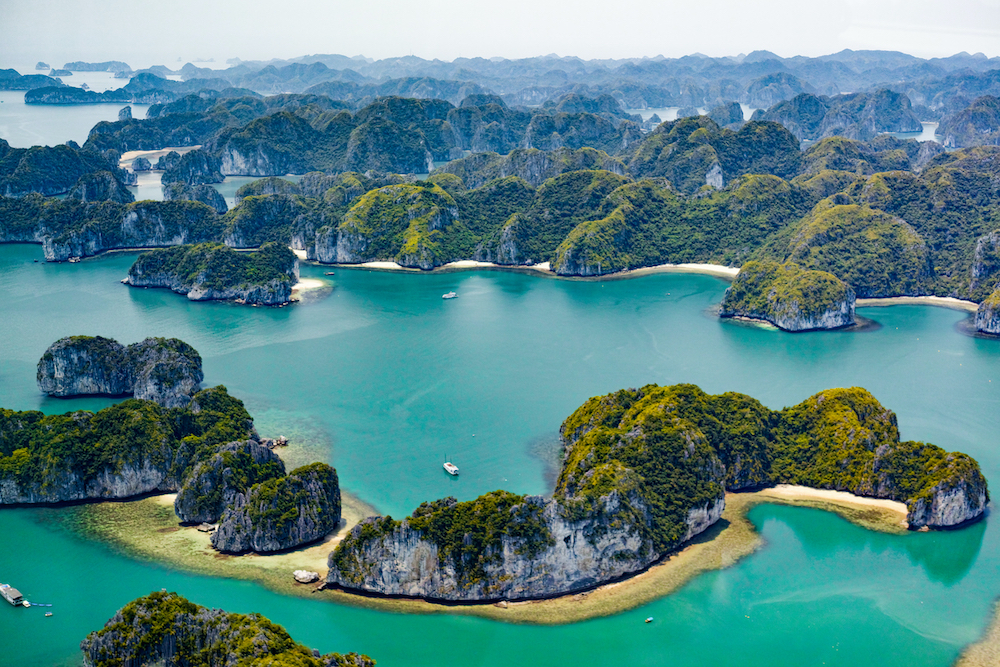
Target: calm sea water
<point>25,125</point>
<point>383,378</point>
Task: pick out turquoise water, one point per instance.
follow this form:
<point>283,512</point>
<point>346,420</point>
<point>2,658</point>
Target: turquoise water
<point>23,125</point>
<point>383,378</point>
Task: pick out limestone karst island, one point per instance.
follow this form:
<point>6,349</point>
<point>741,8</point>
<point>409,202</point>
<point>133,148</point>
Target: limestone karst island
<point>335,361</point>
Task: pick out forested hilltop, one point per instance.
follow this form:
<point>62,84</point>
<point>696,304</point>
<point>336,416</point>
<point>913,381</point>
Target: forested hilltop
<point>577,185</point>
<point>644,471</point>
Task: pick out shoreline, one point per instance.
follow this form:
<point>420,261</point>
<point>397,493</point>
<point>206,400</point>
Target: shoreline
<point>149,530</point>
<point>942,301</point>
<point>716,270</point>
<point>543,269</point>
<point>129,157</point>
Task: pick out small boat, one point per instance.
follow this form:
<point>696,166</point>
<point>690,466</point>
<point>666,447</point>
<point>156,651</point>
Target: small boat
<point>74,260</point>
<point>649,619</point>
<point>328,273</point>
<point>451,468</point>
<point>449,295</point>
<point>48,613</point>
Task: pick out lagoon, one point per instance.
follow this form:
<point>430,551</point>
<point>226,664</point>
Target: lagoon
<point>382,378</point>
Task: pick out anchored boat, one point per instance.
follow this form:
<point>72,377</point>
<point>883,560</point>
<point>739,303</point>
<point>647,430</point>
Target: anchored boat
<point>450,468</point>
<point>449,295</point>
<point>12,595</point>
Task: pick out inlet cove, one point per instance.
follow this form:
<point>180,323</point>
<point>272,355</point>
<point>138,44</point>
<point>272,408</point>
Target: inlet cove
<point>382,379</point>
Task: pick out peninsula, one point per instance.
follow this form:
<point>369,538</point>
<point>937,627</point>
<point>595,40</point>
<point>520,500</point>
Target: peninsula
<point>645,470</point>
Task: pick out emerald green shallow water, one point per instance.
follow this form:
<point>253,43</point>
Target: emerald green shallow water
<point>383,378</point>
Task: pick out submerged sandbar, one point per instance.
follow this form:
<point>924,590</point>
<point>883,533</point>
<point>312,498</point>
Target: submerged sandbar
<point>149,529</point>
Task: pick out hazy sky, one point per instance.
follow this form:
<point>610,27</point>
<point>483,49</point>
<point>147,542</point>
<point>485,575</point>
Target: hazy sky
<point>144,33</point>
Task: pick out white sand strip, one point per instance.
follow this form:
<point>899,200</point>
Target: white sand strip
<point>792,491</point>
<point>943,301</point>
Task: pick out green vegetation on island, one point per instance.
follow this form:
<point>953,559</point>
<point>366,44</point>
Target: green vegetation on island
<point>80,455</point>
<point>207,271</point>
<point>791,298</point>
<point>644,471</point>
<point>166,627</point>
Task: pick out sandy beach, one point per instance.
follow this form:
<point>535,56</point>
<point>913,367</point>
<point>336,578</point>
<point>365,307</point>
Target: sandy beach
<point>149,529</point>
<point>128,157</point>
<point>708,269</point>
<point>943,301</point>
<point>306,284</point>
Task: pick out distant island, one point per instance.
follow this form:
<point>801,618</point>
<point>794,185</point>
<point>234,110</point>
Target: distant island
<point>578,185</point>
<point>212,271</point>
<point>645,470</point>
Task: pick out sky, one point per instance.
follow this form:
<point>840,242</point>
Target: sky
<point>143,33</point>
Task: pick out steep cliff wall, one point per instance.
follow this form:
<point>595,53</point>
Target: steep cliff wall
<point>282,512</point>
<point>128,449</point>
<point>215,482</point>
<point>164,370</point>
<point>791,298</point>
<point>212,271</point>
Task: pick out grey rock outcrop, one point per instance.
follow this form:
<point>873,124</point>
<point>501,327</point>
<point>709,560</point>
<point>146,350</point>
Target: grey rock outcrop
<point>100,186</point>
<point>727,115</point>
<point>215,482</point>
<point>281,513</point>
<point>125,113</point>
<point>81,365</point>
<point>791,298</point>
<point>165,371</point>
<point>583,553</point>
<point>129,478</point>
<point>193,168</point>
<point>206,194</point>
<point>950,505</point>
<point>985,265</point>
<point>988,314</point>
<point>143,224</point>
<point>141,164</point>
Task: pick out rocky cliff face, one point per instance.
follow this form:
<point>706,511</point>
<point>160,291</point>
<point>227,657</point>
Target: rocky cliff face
<point>985,265</point>
<point>214,272</point>
<point>949,505</point>
<point>143,224</point>
<point>80,365</point>
<point>148,475</point>
<point>976,125</point>
<point>581,553</point>
<point>281,513</point>
<point>791,298</point>
<point>215,482</point>
<point>206,194</point>
<point>403,223</point>
<point>193,168</point>
<point>165,371</point>
<point>127,449</point>
<point>988,314</point>
<point>100,186</point>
